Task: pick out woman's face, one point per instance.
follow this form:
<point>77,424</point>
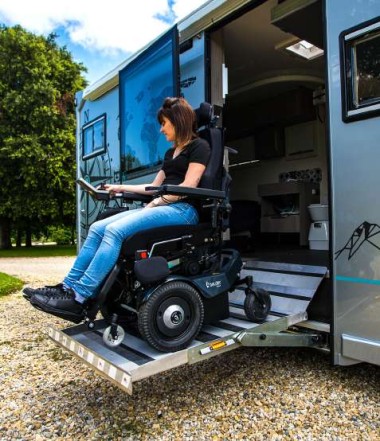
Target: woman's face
<point>167,129</point>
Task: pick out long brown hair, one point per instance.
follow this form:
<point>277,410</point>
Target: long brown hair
<point>179,112</point>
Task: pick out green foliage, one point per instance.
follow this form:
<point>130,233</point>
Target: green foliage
<point>40,251</point>
<point>60,234</point>
<point>9,284</point>
<point>38,82</point>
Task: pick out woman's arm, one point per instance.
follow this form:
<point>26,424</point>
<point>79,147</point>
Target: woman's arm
<point>136,188</point>
<point>193,175</point>
<point>192,178</point>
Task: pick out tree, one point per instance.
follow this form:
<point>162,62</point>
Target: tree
<point>38,81</point>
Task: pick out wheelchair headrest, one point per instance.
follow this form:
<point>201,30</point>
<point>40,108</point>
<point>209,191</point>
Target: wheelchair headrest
<point>204,114</point>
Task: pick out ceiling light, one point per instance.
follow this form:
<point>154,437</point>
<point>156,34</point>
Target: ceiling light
<point>305,50</point>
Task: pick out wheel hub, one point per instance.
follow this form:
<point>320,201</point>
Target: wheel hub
<point>173,316</point>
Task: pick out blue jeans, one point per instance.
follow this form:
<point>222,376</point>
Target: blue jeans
<point>102,246</point>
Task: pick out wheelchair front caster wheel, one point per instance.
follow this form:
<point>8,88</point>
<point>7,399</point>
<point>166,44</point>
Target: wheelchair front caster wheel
<point>257,305</point>
<point>113,339</point>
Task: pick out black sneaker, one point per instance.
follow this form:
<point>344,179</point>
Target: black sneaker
<point>28,292</point>
<point>59,303</point>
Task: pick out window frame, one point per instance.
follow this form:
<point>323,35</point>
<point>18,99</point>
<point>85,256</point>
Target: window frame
<point>102,117</point>
<point>348,40</point>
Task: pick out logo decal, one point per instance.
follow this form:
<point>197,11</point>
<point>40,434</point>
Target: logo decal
<point>366,233</point>
<point>215,284</point>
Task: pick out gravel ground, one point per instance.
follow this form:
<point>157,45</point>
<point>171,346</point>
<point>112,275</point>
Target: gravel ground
<point>258,394</point>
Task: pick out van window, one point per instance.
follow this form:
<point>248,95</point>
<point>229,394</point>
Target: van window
<point>94,137</point>
<point>144,83</point>
<point>361,67</point>
<point>192,70</point>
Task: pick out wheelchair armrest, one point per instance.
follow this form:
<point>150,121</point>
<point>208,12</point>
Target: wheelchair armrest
<point>138,197</point>
<point>178,190</point>
<point>104,195</point>
<point>100,195</point>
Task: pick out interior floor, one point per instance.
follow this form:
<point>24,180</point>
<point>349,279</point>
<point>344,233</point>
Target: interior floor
<point>284,250</point>
<point>287,253</point>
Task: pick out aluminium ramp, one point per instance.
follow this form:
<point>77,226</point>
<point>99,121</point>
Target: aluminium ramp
<point>135,359</point>
<point>291,286</point>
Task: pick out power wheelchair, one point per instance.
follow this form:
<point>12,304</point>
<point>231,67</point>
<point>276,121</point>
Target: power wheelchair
<point>169,281</point>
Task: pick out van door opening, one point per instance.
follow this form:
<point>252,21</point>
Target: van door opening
<point>275,115</point>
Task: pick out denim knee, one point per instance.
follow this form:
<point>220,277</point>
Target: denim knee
<point>113,232</point>
<point>97,229</point>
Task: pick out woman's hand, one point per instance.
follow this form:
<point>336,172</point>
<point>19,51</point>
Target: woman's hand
<point>114,188</point>
<point>154,203</point>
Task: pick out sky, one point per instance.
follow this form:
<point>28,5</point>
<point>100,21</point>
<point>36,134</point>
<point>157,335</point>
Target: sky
<point>99,33</point>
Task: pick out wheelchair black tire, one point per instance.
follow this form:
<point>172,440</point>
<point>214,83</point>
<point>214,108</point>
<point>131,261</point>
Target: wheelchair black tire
<point>257,306</point>
<point>154,314</point>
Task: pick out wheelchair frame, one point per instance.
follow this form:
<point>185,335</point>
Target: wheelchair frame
<point>212,276</point>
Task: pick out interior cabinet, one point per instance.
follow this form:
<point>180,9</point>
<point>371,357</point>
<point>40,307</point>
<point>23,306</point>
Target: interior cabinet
<point>269,143</point>
<point>284,208</point>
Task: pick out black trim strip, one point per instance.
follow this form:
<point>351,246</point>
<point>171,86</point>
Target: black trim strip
<point>277,314</point>
<point>129,353</point>
<point>205,337</point>
<point>283,295</point>
<point>229,327</point>
<point>279,271</point>
<point>235,305</point>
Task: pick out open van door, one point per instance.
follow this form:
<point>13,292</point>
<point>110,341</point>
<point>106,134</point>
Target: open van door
<point>144,83</point>
<point>353,53</point>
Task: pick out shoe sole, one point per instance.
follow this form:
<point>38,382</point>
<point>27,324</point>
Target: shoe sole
<point>75,318</point>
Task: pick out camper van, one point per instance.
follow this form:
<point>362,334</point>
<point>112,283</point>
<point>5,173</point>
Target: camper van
<point>296,86</point>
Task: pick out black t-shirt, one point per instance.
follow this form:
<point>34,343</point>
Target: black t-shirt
<point>198,150</point>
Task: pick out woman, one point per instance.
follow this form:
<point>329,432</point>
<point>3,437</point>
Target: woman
<point>184,164</point>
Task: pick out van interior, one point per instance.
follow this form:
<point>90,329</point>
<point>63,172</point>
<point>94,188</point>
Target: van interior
<point>275,118</point>
<point>274,115</point>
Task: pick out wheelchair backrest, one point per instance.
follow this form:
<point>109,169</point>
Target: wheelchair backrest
<point>213,175</point>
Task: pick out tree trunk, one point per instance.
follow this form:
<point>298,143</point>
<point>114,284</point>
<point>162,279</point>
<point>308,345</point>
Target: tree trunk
<point>28,237</point>
<point>19,238</point>
<point>5,233</point>
<point>73,231</point>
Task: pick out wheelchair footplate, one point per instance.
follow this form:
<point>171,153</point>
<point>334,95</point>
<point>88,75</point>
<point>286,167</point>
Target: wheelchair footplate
<point>134,359</point>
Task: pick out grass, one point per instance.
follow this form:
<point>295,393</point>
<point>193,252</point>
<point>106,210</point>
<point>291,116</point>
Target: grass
<point>9,284</point>
<point>40,251</point>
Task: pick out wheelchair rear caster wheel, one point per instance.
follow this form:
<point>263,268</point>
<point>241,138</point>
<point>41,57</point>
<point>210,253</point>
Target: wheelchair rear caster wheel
<point>257,305</point>
<point>113,337</point>
<point>172,316</point>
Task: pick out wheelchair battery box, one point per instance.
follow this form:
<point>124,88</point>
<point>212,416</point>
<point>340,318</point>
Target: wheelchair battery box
<point>216,308</point>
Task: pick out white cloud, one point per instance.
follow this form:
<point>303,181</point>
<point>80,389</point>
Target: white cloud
<point>109,25</point>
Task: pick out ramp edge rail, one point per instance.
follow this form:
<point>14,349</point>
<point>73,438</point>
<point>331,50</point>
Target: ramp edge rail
<point>106,369</point>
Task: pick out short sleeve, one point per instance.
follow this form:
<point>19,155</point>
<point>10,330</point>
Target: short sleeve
<point>199,151</point>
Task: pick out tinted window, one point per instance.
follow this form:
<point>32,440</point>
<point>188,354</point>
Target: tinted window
<point>94,137</point>
<point>192,70</point>
<point>144,84</point>
<point>366,54</point>
<point>361,72</point>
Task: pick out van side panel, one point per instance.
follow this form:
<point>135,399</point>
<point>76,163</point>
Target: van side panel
<point>355,184</point>
<point>102,165</point>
